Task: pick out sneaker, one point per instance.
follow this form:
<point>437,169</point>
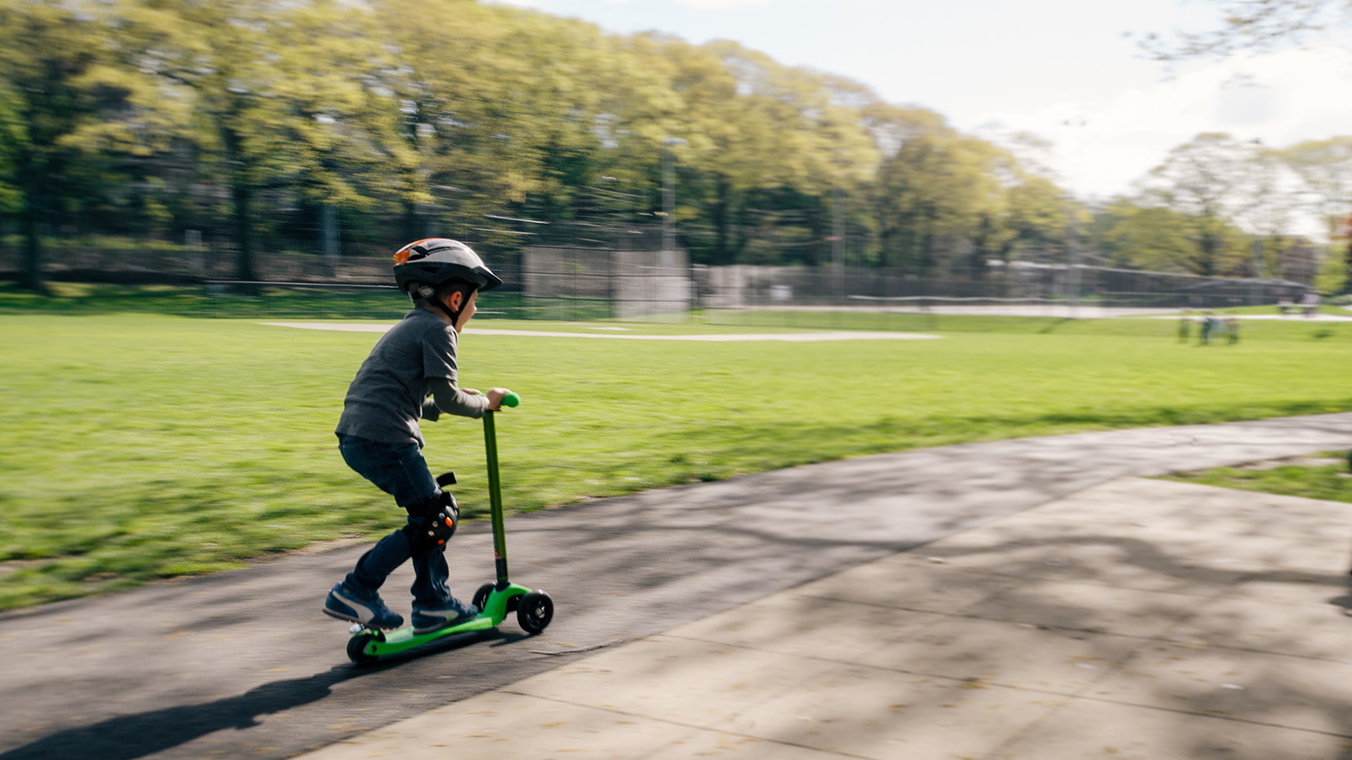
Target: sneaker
<point>360,607</point>
<point>448,613</point>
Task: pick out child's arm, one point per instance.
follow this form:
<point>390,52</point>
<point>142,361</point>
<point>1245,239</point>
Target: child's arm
<point>449,399</point>
<point>446,397</point>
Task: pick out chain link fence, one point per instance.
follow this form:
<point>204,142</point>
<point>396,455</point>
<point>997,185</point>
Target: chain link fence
<point>884,288</point>
<point>557,282</point>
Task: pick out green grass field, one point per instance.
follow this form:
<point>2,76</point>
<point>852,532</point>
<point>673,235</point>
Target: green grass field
<point>137,446</point>
<point>1306,477</point>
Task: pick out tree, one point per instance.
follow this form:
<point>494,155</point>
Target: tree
<point>1325,166</point>
<point>13,134</point>
<point>938,188</point>
<point>279,94</point>
<point>1206,178</point>
<point>766,142</point>
<point>1036,217</point>
<point>1151,238</point>
<point>523,114</point>
<point>415,117</point>
<point>67,100</point>
<point>1259,25</point>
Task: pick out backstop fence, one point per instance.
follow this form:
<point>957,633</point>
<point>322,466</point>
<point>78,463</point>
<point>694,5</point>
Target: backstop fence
<point>577,283</point>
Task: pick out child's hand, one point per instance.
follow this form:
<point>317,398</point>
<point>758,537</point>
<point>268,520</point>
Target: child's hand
<point>495,397</point>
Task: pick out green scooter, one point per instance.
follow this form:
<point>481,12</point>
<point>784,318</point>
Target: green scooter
<point>534,609</point>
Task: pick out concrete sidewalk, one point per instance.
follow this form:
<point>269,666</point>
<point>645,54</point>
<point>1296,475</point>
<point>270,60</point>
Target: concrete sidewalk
<point>241,663</point>
<point>1136,619</point>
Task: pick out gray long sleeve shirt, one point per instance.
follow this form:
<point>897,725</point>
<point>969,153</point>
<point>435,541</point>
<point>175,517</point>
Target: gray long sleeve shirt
<point>417,357</point>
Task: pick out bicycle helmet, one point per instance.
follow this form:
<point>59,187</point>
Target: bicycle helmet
<point>434,261</point>
<point>425,265</point>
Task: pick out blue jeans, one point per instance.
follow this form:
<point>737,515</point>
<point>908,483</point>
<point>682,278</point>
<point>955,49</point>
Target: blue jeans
<point>399,470</point>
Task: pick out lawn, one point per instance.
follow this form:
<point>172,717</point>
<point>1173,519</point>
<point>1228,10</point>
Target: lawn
<point>1324,476</point>
<point>137,446</point>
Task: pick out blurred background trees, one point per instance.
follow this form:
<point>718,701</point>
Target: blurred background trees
<point>331,128</point>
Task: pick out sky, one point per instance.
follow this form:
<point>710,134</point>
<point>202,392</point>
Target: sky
<point>1069,71</point>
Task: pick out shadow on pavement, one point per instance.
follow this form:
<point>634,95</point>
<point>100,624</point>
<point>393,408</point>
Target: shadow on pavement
<point>1168,655</point>
<point>133,736</point>
<point>1289,677</point>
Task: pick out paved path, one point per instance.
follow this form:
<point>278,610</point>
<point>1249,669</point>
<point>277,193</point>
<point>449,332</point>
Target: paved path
<point>242,663</point>
<point>1138,619</point>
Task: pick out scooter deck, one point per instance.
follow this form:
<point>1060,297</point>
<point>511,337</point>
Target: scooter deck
<point>495,611</point>
<point>404,638</point>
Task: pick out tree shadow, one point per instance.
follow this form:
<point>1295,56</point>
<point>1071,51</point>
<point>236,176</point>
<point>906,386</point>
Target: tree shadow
<point>126,737</point>
<point>1183,689</point>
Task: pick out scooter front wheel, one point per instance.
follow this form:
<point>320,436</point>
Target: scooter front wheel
<point>534,612</point>
<point>481,596</point>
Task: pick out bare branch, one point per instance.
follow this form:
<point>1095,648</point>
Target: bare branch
<point>1259,25</point>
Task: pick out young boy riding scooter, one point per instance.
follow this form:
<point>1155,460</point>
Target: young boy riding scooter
<point>379,437</point>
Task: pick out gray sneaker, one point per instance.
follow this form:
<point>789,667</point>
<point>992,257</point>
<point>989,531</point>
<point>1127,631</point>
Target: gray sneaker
<point>365,607</point>
<point>448,613</point>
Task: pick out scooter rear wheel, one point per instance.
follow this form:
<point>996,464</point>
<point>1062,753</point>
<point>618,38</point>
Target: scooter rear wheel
<point>356,649</point>
<point>534,612</point>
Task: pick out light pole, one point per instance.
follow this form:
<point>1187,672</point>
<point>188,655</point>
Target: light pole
<point>1072,227</point>
<point>1257,289</point>
<point>669,194</point>
<point>838,243</point>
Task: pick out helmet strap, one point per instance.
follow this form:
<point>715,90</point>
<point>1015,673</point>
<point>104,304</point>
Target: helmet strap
<point>454,314</point>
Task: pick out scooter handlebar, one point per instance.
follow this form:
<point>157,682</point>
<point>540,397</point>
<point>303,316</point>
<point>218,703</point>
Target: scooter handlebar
<point>511,400</point>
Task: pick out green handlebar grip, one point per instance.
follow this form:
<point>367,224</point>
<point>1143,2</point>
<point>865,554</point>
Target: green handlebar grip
<point>511,399</point>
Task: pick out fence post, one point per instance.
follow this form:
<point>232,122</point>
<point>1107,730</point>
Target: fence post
<point>329,237</point>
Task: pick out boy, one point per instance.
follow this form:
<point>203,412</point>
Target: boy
<point>379,437</point>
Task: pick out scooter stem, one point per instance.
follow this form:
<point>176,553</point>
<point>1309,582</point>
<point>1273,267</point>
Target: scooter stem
<point>495,493</point>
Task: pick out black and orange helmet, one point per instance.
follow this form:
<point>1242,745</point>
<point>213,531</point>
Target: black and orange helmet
<point>434,261</point>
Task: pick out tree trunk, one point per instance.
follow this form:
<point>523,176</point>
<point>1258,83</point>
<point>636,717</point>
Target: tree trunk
<point>736,219</point>
<point>242,194</point>
<point>1210,246</point>
<point>719,212</point>
<point>30,277</point>
<point>927,242</point>
<point>1347,268</point>
<point>410,224</point>
<point>244,267</point>
<point>35,186</point>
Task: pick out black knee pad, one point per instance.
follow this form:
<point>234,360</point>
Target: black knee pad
<point>442,513</point>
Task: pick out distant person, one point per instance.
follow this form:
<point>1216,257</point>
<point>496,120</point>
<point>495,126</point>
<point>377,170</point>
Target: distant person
<point>379,437</point>
<point>1185,327</point>
<point>1232,329</point>
<point>1208,324</point>
<point>1309,303</point>
<point>1219,327</point>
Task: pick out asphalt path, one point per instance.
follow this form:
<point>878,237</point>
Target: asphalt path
<point>243,662</point>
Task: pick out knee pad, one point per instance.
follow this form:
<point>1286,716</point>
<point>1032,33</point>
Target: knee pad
<point>442,517</point>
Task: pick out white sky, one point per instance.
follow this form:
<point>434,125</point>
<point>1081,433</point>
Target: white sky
<point>991,65</point>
